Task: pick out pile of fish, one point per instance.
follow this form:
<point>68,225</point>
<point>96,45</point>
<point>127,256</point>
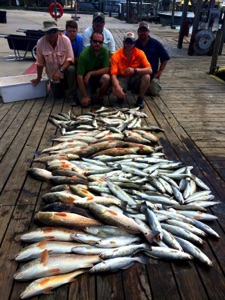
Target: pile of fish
<point>113,195</point>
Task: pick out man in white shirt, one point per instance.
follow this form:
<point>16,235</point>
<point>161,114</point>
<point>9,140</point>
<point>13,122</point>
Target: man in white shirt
<point>98,25</point>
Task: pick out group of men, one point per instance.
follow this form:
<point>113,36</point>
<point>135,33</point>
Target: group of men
<point>82,64</point>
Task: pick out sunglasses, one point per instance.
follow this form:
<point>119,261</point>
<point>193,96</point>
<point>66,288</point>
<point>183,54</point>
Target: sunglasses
<point>96,41</point>
<point>52,31</point>
<point>100,21</point>
<point>129,41</point>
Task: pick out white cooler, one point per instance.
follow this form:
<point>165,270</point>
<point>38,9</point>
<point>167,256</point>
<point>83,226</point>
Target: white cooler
<point>17,88</point>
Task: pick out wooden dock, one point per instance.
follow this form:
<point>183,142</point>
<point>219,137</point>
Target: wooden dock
<point>191,110</point>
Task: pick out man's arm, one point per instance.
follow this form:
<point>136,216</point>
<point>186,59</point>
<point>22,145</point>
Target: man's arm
<point>116,88</point>
<point>86,37</point>
<point>85,101</point>
<point>141,71</point>
<point>39,75</point>
<point>161,69</point>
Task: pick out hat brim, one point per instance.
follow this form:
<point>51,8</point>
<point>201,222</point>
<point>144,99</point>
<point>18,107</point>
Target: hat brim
<point>44,29</point>
<point>128,38</point>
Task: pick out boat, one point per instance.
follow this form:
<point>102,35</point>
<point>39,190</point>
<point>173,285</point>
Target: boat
<point>165,17</point>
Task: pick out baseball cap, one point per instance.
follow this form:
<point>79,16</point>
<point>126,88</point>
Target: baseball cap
<point>129,35</point>
<point>98,15</point>
<point>144,24</point>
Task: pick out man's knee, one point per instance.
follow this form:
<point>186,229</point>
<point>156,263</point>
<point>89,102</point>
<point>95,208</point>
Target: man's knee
<point>105,79</point>
<point>71,70</point>
<point>146,78</point>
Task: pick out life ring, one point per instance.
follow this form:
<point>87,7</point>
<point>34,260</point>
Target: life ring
<point>57,14</point>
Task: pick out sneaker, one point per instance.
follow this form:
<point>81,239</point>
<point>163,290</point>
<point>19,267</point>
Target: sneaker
<point>100,100</point>
<point>120,100</point>
<point>72,100</point>
<point>140,102</point>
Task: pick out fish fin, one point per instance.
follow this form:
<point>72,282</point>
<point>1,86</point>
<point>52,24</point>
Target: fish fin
<point>123,204</point>
<point>54,271</point>
<point>63,214</point>
<point>42,244</point>
<point>127,266</point>
<point>47,291</point>
<point>44,257</point>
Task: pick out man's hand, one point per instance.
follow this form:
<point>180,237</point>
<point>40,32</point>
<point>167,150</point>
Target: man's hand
<point>35,81</point>
<point>85,101</point>
<point>57,76</point>
<point>129,71</point>
<point>158,74</point>
<point>118,91</point>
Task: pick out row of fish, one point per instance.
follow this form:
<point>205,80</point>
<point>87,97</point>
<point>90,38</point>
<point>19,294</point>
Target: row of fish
<point>113,195</point>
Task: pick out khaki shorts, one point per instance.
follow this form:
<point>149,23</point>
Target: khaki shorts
<point>154,88</point>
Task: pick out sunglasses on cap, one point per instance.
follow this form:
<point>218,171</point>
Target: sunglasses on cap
<point>129,41</point>
<point>52,31</point>
<point>96,41</point>
<point>100,21</point>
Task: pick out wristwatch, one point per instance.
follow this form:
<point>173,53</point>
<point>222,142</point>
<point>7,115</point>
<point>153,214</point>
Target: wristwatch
<point>61,70</point>
<point>135,70</point>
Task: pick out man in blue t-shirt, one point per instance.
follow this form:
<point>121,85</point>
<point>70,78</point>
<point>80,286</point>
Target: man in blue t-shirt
<point>156,55</point>
<point>76,42</point>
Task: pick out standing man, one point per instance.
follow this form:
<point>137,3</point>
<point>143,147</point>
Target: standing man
<point>98,25</point>
<point>70,74</point>
<point>93,69</point>
<point>55,54</point>
<point>156,55</point>
<point>130,70</point>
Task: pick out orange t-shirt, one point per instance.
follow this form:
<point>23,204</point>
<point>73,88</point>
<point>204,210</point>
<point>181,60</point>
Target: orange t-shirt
<point>119,62</point>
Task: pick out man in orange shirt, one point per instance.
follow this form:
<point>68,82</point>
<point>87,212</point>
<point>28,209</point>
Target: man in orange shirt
<point>130,70</point>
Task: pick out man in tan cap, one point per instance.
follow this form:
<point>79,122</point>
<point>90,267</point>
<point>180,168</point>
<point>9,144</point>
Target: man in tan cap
<point>156,55</point>
<point>55,54</point>
<point>98,25</point>
<point>130,70</point>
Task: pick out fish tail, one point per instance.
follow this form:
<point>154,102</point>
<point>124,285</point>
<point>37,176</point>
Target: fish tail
<point>143,259</point>
<point>123,205</point>
<point>151,236</point>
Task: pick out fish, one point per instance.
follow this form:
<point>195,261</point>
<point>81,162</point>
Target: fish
<point>36,249</point>
<point>120,193</point>
<point>115,264</point>
<point>115,218</point>
<point>121,251</point>
<point>194,251</point>
<point>48,234</point>
<point>49,265</point>
<point>40,174</point>
<point>158,252</point>
<point>86,238</point>
<point>183,233</point>
<point>62,207</point>
<point>117,241</point>
<point>68,220</point>
<point>107,200</point>
<point>106,231</point>
<point>152,221</point>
